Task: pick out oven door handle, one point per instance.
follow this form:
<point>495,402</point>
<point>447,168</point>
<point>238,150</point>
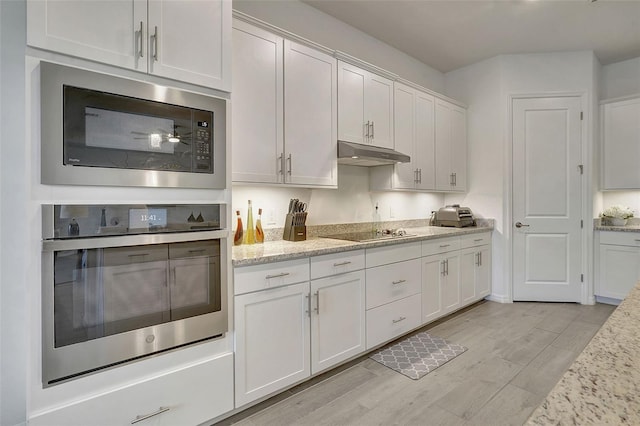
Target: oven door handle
<point>131,240</point>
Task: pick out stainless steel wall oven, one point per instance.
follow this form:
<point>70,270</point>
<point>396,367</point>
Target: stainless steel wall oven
<point>125,281</point>
<point>98,129</point>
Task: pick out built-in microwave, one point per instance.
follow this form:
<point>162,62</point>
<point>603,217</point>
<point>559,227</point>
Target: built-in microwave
<point>99,129</point>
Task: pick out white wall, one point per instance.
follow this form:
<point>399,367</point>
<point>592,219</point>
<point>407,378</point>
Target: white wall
<point>310,23</point>
<point>351,202</point>
<point>619,80</point>
<point>14,219</point>
<point>486,87</point>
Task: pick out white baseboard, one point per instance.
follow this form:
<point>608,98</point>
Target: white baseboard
<point>499,298</point>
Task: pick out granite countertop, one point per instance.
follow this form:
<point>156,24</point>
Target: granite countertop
<point>602,386</point>
<point>633,225</point>
<point>273,251</point>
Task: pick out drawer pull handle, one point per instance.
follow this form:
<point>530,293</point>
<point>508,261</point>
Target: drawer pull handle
<point>146,416</point>
<point>477,240</point>
<point>398,282</point>
<point>342,263</point>
<point>399,319</point>
<point>197,250</point>
<point>637,240</point>
<point>138,254</point>
<point>444,245</point>
<point>282,274</point>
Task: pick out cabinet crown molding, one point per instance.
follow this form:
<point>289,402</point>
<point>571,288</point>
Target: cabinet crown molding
<point>280,32</point>
<point>430,92</point>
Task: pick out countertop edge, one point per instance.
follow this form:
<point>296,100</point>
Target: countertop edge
<point>258,254</point>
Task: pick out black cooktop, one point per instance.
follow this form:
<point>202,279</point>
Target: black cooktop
<point>361,237</point>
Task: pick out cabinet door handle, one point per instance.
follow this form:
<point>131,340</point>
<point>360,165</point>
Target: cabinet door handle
<point>280,160</point>
<point>442,270</point>
<point>446,262</point>
<point>308,303</point>
<point>395,321</point>
<point>290,164</point>
<point>366,131</point>
<point>479,258</point>
<point>415,176</point>
<point>282,274</point>
<point>347,262</point>
<point>141,51</point>
<point>455,179</point>
<point>419,175</point>
<point>317,308</point>
<point>155,43</point>
<point>373,131</point>
<point>398,282</point>
<point>146,416</point>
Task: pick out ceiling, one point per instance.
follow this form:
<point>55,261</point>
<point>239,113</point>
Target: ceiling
<point>449,34</point>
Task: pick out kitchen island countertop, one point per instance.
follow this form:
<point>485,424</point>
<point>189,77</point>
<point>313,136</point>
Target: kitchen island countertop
<point>274,251</point>
<point>602,386</point>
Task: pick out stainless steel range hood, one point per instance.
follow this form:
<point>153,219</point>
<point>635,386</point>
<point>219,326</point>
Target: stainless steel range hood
<point>356,154</point>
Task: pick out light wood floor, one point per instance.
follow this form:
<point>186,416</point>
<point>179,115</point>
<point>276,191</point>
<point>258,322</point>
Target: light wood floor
<point>516,353</point>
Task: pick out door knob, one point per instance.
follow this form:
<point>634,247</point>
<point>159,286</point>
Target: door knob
<point>520,225</point>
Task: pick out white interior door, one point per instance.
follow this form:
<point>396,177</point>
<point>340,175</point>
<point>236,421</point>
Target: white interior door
<point>547,243</point>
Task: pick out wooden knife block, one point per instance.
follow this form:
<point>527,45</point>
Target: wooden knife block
<point>293,232</point>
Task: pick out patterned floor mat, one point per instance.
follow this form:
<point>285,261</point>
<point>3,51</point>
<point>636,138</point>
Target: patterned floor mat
<point>418,355</point>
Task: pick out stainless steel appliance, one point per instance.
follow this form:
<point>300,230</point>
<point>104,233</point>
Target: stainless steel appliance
<point>454,215</point>
<point>127,281</point>
<point>99,129</point>
<point>356,154</point>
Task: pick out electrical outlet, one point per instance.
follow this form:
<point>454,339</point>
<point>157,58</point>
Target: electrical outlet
<point>271,217</point>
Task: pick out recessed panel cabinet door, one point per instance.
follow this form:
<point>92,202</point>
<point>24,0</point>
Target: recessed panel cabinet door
<point>272,341</point>
<point>257,105</point>
<point>190,40</point>
<point>406,174</point>
<point>378,101</point>
<point>112,32</point>
<point>310,115</point>
<point>621,144</point>
<point>424,152</point>
<point>351,87</point>
<point>337,319</point>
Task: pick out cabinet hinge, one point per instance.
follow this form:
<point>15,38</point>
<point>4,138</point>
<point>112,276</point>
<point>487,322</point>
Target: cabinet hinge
<point>581,168</point>
<point>581,115</point>
<point>581,278</point>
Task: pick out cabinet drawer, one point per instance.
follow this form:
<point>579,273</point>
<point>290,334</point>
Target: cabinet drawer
<point>269,275</point>
<point>620,238</point>
<point>392,254</point>
<point>336,263</point>
<point>475,240</point>
<point>135,254</point>
<point>389,321</point>
<point>192,395</point>
<point>388,283</point>
<point>442,245</point>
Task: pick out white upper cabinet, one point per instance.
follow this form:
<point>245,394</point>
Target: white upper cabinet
<point>191,41</point>
<point>413,135</point>
<point>310,115</point>
<point>257,105</point>
<point>450,147</point>
<point>186,40</point>
<point>621,144</point>
<point>365,106</point>
<point>284,115</point>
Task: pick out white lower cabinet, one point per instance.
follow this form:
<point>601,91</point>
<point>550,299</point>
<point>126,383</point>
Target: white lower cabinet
<point>393,292</point>
<point>475,268</point>
<point>286,333</point>
<point>618,265</point>
<point>188,396</point>
<point>337,319</point>
<point>272,340</point>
